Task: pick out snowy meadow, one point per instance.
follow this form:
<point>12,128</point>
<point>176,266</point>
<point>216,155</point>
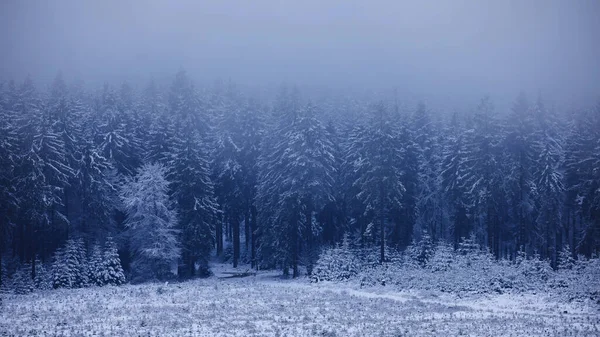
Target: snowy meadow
<point>266,305</point>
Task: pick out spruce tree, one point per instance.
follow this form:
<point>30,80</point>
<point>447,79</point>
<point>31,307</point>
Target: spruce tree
<point>96,266</point>
<point>191,185</point>
<point>112,271</point>
<point>379,179</point>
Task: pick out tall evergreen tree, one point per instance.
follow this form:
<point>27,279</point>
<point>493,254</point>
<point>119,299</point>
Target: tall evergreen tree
<point>112,136</point>
<point>549,180</point>
<point>378,161</point>
<point>454,172</point>
<point>483,179</point>
<point>192,188</point>
<point>429,194</point>
<point>520,185</point>
<point>43,173</point>
<point>151,221</point>
<point>296,181</point>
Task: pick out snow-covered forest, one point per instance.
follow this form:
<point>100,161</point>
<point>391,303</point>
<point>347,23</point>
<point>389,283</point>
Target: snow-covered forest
<point>299,168</point>
<point>175,175</point>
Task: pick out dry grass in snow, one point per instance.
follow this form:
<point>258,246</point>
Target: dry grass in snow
<point>266,306</point>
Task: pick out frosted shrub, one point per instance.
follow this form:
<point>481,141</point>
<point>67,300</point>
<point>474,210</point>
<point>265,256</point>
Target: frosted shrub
<point>582,282</point>
<point>336,264</point>
<point>43,277</point>
<point>22,282</point>
<point>442,259</point>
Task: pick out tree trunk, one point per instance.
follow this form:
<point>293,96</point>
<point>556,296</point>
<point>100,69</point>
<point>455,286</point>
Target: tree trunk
<point>253,228</point>
<point>236,240</point>
<point>309,239</point>
<point>219,236</point>
<point>382,224</point>
<point>192,266</point>
<point>295,247</point>
<point>247,228</point>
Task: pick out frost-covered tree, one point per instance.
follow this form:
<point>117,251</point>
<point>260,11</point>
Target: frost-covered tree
<point>43,172</point>
<point>227,168</point>
<point>112,271</point>
<point>582,179</point>
<point>61,276</point>
<point>97,192</point>
<point>338,263</point>
<point>151,223</point>
<point>192,188</point>
<point>549,180</point>
<point>429,192</point>
<point>296,181</point>
<point>43,276</point>
<point>70,269</point>
<point>9,151</point>
<point>377,159</point>
<point>402,234</point>
<point>96,266</point>
<point>114,140</point>
<point>454,171</point>
<point>66,116</point>
<point>484,179</point>
<point>22,283</point>
<point>520,185</point>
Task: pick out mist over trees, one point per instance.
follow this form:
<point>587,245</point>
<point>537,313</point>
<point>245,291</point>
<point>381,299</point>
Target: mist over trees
<point>179,175</point>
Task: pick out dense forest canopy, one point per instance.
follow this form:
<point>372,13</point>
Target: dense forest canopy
<point>178,174</point>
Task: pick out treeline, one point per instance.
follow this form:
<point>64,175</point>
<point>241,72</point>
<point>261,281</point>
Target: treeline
<point>271,183</point>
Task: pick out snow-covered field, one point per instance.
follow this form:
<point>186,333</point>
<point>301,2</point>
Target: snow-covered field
<point>265,305</point>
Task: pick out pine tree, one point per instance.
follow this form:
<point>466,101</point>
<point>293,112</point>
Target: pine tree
<point>429,193</point>
<point>9,151</point>
<point>484,179</point>
<point>97,193</point>
<point>96,266</point>
<point>227,167</point>
<point>407,216</point>
<point>454,172</point>
<point>583,182</point>
<point>191,185</point>
<point>251,126</point>
<point>112,271</point>
<point>22,281</point>
<point>521,188</point>
<point>61,275</point>
<point>565,259</point>
<point>112,137</point>
<point>424,250</point>
<point>549,180</point>
<point>443,257</point>
<point>70,265</point>
<point>65,113</point>
<point>296,181</point>
<point>43,172</point>
<point>151,222</point>
<point>43,277</point>
<point>81,272</point>
<point>379,179</point>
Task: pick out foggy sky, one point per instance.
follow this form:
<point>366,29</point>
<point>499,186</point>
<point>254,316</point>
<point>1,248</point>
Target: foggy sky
<point>445,48</point>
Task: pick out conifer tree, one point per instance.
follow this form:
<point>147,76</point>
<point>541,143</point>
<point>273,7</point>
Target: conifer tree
<point>112,271</point>
<point>151,223</point>
<point>379,177</point>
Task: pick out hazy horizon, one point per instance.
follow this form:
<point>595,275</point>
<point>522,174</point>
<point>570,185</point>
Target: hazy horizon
<point>442,50</point>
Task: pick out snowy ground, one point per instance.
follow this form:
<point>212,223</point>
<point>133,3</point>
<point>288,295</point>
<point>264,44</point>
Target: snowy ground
<point>265,305</point>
